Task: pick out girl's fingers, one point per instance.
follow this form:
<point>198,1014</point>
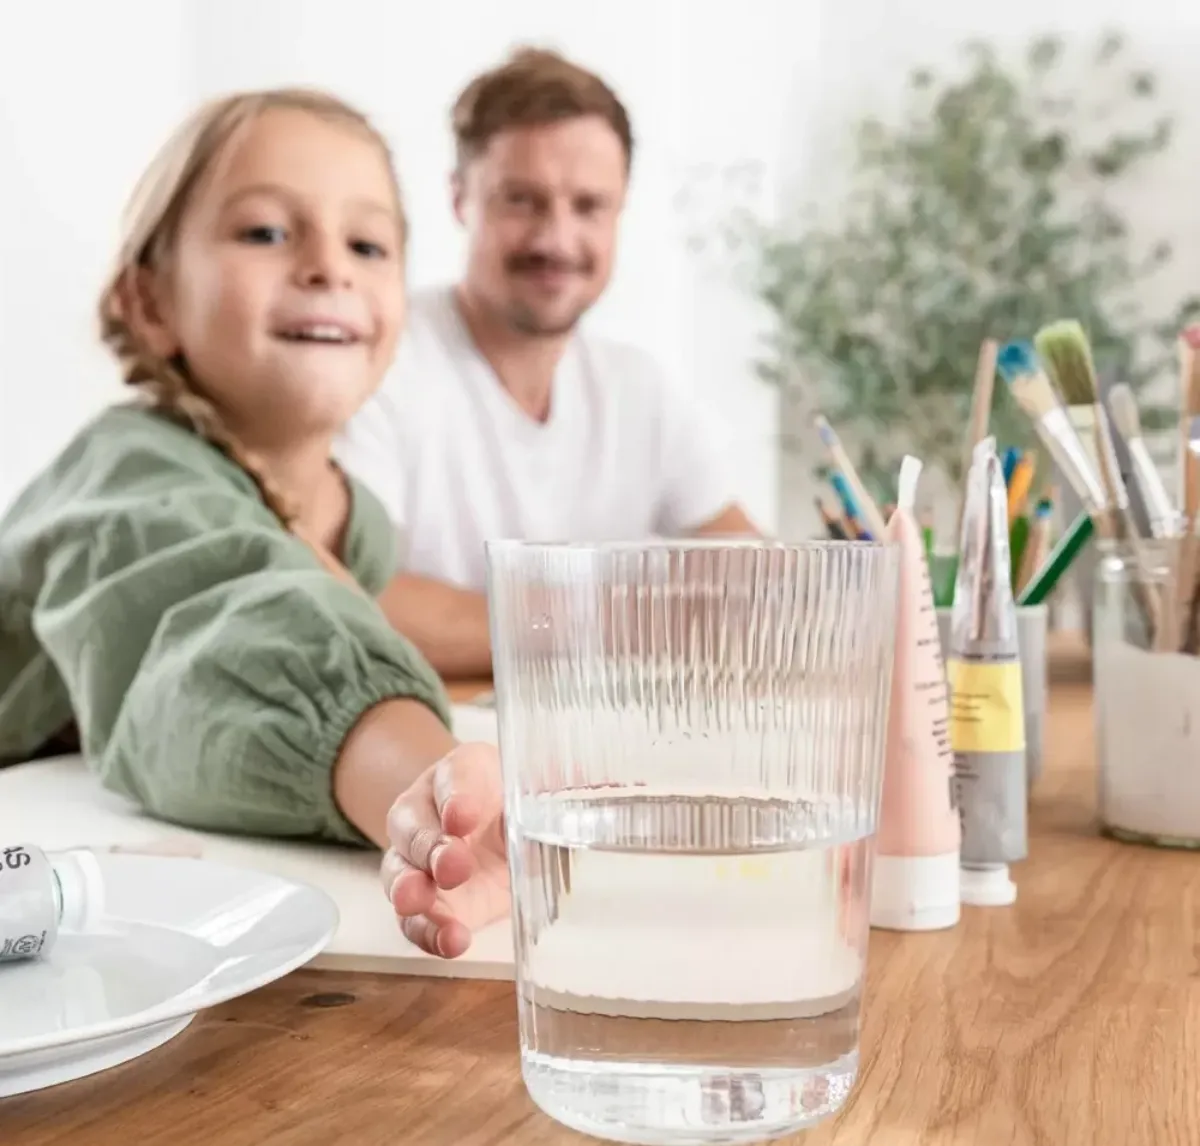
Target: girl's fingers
<point>467,789</point>
<point>461,792</point>
<point>390,868</point>
<point>451,865</point>
<point>421,932</point>
<point>437,933</point>
<point>455,798</point>
<point>411,891</point>
<point>419,842</point>
<point>414,827</point>
<point>453,939</point>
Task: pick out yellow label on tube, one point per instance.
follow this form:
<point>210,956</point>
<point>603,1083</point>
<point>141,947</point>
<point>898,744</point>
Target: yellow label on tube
<point>986,711</point>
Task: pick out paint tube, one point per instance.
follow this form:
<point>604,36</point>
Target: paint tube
<point>987,723</point>
<point>41,895</point>
<point>915,885</point>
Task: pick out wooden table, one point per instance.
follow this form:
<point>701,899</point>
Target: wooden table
<point>1071,1019</point>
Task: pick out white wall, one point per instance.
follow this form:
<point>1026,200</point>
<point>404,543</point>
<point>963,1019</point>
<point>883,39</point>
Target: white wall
<point>80,103</point>
<point>80,114</point>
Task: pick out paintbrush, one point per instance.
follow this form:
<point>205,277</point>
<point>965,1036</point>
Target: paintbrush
<point>850,519</point>
<point>1163,517</point>
<point>845,496</point>
<point>925,520</point>
<point>1020,482</point>
<point>1186,562</point>
<point>1189,427</point>
<point>1018,539</point>
<point>981,412</point>
<point>833,526</point>
<point>1036,546</point>
<point>1008,462</point>
<point>165,847</point>
<point>871,517</point>
<point>1064,348</point>
<point>1050,572</point>
<point>1189,408</point>
<point>1033,392</point>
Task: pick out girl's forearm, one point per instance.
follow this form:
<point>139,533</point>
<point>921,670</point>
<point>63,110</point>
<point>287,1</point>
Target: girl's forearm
<point>389,747</point>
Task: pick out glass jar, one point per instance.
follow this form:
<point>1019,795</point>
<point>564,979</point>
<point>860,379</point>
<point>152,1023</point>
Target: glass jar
<point>1147,699</point>
<point>693,736</point>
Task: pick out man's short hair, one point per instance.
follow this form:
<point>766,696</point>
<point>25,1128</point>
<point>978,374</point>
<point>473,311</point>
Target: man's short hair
<point>533,87</point>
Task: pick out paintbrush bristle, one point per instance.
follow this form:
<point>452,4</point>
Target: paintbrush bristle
<point>1018,365</point>
<point>1064,348</point>
<point>825,432</point>
<point>1124,409</point>
<point>1016,359</point>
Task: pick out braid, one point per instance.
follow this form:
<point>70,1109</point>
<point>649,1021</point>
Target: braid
<point>168,391</point>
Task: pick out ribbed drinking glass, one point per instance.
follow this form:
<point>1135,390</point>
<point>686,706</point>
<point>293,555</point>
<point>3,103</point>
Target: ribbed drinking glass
<point>692,736</point>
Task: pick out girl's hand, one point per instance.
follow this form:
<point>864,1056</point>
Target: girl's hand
<point>446,871</point>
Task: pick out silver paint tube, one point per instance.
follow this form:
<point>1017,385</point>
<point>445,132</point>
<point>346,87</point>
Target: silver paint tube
<point>983,667</point>
<point>41,895</point>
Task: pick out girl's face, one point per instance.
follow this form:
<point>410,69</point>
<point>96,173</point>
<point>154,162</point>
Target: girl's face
<point>284,292</point>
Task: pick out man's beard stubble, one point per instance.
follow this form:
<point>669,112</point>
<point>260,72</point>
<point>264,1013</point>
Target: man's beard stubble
<point>524,319</point>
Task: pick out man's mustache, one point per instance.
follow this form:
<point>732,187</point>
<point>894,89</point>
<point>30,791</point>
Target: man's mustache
<point>537,262</point>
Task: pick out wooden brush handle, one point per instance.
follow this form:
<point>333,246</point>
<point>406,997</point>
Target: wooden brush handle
<point>981,412</point>
<point>1149,595</point>
<point>1191,641</point>
<point>1184,587</point>
<point>1169,635</point>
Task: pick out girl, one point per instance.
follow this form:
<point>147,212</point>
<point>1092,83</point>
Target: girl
<point>189,587</point>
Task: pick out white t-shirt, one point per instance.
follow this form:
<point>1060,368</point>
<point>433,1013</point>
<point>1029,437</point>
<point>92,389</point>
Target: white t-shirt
<point>624,455</point>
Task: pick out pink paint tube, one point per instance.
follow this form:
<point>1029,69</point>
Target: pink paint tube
<point>915,886</point>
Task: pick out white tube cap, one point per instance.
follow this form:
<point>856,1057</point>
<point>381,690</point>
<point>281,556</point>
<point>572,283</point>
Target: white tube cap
<point>81,883</point>
<point>988,886</point>
<point>915,893</point>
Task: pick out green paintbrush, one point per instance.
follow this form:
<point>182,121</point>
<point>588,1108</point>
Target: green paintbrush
<point>1042,583</point>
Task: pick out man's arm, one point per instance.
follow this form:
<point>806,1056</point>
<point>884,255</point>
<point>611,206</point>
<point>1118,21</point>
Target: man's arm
<point>732,521</point>
<point>449,625</point>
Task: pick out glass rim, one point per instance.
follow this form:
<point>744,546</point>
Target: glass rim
<point>685,545</point>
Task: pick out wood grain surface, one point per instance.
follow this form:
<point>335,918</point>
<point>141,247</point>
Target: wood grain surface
<point>1071,1018</point>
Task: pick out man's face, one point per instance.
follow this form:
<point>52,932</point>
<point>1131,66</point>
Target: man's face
<point>541,207</point>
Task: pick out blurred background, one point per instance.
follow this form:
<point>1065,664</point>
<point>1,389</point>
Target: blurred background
<point>833,201</point>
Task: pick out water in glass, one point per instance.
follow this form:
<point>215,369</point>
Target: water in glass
<point>692,740</point>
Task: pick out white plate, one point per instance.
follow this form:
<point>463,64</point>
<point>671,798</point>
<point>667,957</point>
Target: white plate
<point>175,937</point>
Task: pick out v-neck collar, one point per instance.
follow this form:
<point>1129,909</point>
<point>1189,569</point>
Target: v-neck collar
<point>479,370</point>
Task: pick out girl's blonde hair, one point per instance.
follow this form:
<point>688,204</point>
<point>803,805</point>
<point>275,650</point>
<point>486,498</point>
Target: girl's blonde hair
<point>149,230</point>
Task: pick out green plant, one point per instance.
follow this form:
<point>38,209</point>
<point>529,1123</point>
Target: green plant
<point>986,209</point>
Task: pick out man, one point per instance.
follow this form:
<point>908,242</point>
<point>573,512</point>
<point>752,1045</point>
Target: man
<point>501,419</point>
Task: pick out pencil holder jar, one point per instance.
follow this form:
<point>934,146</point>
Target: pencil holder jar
<point>1147,695</point>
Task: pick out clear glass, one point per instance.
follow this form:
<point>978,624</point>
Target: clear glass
<point>1147,696</point>
<point>692,737</point>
